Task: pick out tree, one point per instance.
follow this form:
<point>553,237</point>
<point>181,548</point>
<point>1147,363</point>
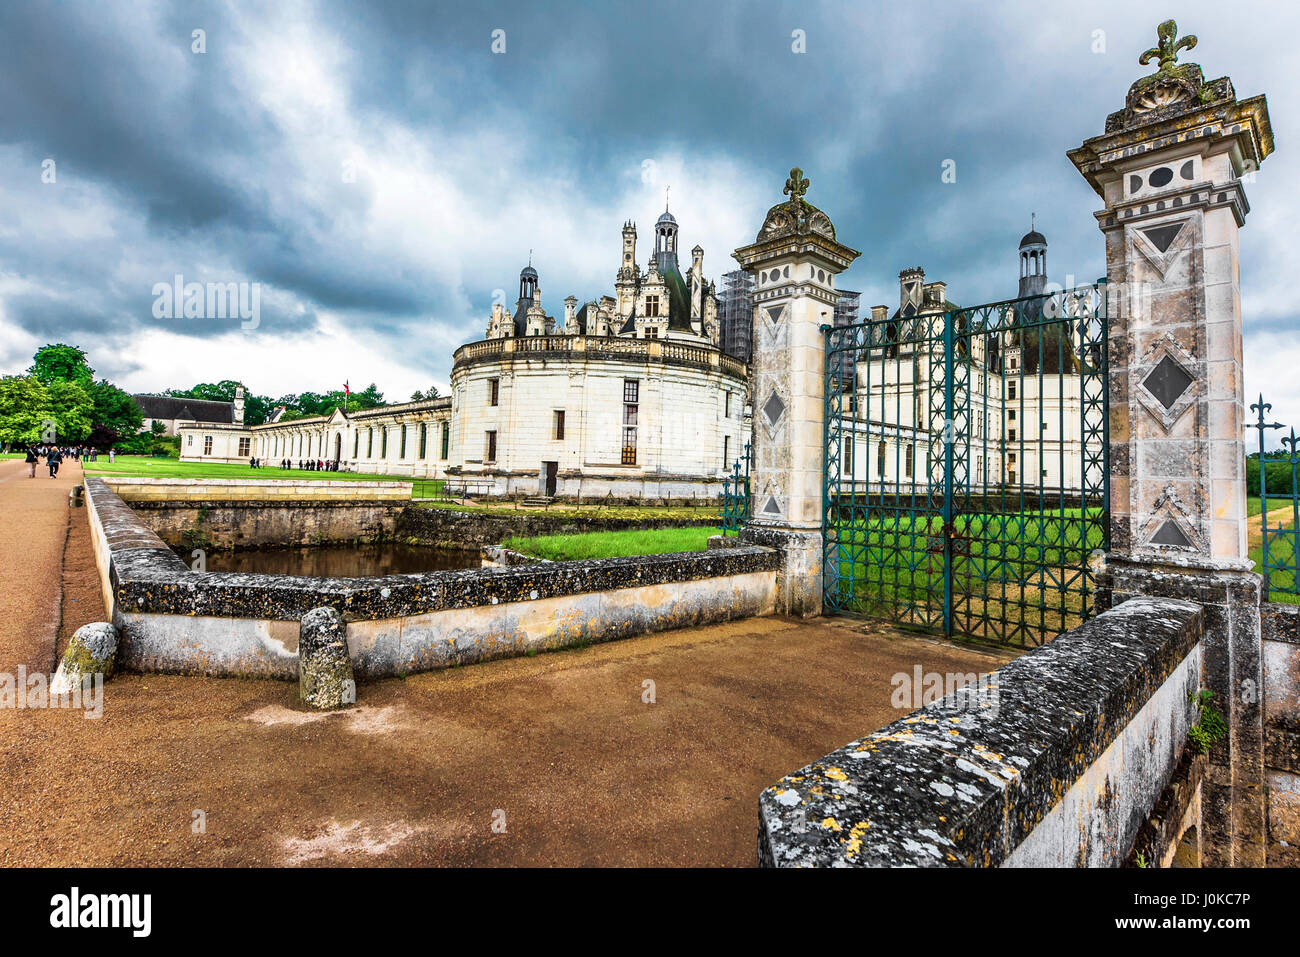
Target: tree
<point>24,407</point>
<point>74,410</point>
<point>116,414</point>
<point>28,407</point>
<point>430,393</point>
<point>60,361</point>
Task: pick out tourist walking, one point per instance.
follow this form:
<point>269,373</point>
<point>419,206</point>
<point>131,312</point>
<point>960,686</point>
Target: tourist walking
<point>32,460</point>
<point>52,459</point>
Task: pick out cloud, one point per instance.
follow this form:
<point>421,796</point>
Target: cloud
<point>381,174</point>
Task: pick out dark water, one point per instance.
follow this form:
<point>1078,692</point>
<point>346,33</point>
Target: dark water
<point>338,561</point>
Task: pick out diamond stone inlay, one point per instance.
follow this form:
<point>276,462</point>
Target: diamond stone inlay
<point>774,314</point>
<point>773,408</point>
<point>1167,381</point>
<point>1170,534</point>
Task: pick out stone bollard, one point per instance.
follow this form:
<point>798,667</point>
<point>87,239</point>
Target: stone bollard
<point>92,651</point>
<point>74,496</point>
<point>325,678</point>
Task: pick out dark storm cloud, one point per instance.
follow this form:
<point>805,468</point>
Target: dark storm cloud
<point>204,170</point>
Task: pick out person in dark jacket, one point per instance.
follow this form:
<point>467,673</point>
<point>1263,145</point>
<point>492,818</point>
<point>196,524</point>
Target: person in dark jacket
<point>52,458</point>
<point>32,460</point>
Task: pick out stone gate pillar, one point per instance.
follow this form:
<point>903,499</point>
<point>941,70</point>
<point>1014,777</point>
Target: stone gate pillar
<point>1169,168</point>
<point>794,259</point>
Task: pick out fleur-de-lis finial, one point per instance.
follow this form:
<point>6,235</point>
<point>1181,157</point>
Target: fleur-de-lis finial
<point>797,184</point>
<point>1166,51</point>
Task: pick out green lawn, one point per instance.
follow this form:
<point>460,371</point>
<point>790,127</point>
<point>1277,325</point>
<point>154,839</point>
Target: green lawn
<point>657,541</point>
<point>144,466</point>
<point>1009,571</point>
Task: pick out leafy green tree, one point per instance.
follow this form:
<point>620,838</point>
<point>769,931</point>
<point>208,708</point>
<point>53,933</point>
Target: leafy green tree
<point>430,393</point>
<point>116,414</point>
<point>74,410</point>
<point>26,404</point>
<point>60,361</point>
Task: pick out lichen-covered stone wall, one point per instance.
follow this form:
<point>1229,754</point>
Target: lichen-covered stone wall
<point>1280,625</point>
<point>222,623</point>
<point>1057,761</point>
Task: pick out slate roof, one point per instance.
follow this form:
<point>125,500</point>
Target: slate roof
<point>178,407</point>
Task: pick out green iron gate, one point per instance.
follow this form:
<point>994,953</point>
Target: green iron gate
<point>967,478</point>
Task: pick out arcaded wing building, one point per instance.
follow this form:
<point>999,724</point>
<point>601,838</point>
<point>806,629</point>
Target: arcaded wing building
<point>628,396</point>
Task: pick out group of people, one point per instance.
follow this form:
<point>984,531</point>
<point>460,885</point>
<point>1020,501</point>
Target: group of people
<point>306,465</point>
<point>54,455</point>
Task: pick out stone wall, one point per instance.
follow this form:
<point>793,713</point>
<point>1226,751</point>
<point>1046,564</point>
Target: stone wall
<point>221,524</point>
<point>1281,634</point>
<point>230,624</point>
<point>1057,761</point>
<point>255,490</point>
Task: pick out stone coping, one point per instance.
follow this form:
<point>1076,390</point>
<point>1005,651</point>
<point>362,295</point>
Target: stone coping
<point>963,782</point>
<point>113,481</point>
<point>148,577</point>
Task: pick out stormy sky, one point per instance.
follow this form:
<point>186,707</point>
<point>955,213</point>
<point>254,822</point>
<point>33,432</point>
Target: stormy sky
<point>382,174</point>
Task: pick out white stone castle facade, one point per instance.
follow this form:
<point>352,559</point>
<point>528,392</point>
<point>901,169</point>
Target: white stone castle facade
<point>1022,422</point>
<point>628,397</point>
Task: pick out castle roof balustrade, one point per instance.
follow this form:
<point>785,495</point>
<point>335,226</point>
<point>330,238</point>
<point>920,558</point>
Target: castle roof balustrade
<point>600,347</point>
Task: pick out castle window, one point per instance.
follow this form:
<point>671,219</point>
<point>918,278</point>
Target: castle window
<point>558,431</point>
<point>631,390</point>
<point>652,305</point>
<point>880,459</point>
<point>383,443</point>
<point>189,440</point>
<point>424,437</point>
<point>446,439</point>
<point>207,445</point>
<point>1011,416</point>
<point>356,444</point>
<point>629,446</point>
<point>848,457</point>
<point>244,447</point>
<point>726,451</point>
<point>652,332</point>
<point>726,404</point>
<point>1011,390</point>
<point>910,452</point>
<point>370,442</point>
<point>491,454</point>
<point>494,391</point>
<point>401,449</point>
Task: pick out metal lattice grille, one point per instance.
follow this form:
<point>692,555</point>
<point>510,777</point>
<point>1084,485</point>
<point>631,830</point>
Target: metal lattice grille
<point>1277,553</point>
<point>990,425</point>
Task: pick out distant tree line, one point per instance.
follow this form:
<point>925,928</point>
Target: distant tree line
<point>60,391</point>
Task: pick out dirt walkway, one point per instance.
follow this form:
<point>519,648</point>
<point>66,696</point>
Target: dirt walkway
<point>560,750</point>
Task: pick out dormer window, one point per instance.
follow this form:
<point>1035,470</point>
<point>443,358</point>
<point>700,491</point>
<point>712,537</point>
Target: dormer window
<point>652,305</point>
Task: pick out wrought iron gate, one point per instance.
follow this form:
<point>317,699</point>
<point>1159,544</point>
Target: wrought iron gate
<point>967,479</point>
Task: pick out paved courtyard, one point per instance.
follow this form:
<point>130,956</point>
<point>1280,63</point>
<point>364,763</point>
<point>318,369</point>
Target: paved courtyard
<point>555,759</point>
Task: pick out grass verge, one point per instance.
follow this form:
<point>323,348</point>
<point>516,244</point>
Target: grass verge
<point>657,541</point>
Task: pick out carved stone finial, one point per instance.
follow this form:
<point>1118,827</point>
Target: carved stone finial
<point>1166,51</point>
<point>796,185</point>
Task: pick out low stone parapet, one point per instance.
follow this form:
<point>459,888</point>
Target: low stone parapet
<point>1057,761</point>
<point>174,619</point>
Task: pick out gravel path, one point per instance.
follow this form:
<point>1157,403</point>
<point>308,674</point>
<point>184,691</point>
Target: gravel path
<point>559,752</point>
